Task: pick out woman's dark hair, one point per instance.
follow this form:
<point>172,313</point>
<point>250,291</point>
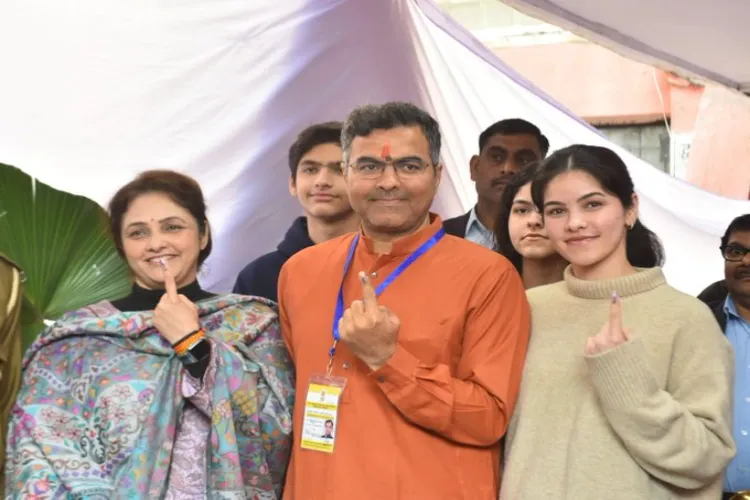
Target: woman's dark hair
<point>502,236</point>
<point>181,189</point>
<point>643,247</point>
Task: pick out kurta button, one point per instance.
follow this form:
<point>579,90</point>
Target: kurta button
<point>345,365</point>
<point>381,379</point>
<point>374,275</point>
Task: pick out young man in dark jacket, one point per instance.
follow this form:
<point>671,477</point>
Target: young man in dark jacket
<point>317,181</point>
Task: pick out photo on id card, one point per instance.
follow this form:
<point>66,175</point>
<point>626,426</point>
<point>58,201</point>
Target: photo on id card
<point>320,418</point>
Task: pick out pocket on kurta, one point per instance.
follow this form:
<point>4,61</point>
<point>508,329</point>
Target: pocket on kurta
<point>431,337</point>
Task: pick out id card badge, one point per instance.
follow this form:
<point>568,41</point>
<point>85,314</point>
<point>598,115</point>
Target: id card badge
<point>321,414</point>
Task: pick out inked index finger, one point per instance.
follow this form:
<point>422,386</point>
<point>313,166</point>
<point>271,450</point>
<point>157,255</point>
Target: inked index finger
<point>169,284</point>
<point>369,297</point>
<point>615,315</point>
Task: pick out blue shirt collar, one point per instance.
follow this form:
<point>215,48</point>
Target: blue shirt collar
<point>473,219</point>
<point>477,233</point>
<point>730,309</point>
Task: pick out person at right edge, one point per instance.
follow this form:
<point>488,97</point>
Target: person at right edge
<point>627,389</point>
<point>729,300</point>
<point>433,333</point>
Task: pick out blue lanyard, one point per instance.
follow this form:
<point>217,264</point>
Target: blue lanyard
<point>390,279</point>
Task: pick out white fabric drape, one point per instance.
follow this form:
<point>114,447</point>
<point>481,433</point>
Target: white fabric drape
<point>94,91</point>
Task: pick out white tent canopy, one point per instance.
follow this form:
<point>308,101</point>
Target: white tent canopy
<point>95,91</point>
<point>707,39</point>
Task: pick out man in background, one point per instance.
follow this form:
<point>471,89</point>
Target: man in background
<point>504,148</point>
<point>729,300</point>
<point>317,181</point>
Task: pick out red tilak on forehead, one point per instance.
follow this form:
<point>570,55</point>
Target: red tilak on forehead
<point>386,152</point>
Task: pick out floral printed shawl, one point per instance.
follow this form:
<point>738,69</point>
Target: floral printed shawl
<point>97,413</point>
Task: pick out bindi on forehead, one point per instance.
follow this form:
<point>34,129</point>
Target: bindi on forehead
<point>385,152</point>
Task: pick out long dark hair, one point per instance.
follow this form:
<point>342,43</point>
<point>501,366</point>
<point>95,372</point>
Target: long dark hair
<point>642,246</point>
<point>502,236</point>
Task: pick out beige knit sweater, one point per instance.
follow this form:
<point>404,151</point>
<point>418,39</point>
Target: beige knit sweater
<point>648,420</point>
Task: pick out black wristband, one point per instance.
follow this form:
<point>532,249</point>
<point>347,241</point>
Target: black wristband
<point>185,337</point>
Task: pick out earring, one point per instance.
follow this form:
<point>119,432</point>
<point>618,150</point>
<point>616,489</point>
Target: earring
<point>631,226</point>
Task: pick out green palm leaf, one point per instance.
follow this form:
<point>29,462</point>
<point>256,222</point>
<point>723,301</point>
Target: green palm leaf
<point>62,243</point>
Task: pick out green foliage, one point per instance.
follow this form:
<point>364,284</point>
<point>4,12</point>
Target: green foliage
<point>62,243</point>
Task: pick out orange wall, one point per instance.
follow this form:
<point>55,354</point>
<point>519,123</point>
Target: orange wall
<point>605,88</point>
<point>685,102</point>
<point>720,154</point>
<point>593,82</point>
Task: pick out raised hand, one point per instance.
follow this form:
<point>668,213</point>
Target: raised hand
<point>175,315</point>
<point>369,329</point>
<point>612,333</point>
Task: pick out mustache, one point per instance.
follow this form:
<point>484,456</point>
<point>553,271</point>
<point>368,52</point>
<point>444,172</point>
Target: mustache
<point>742,272</point>
<point>502,180</point>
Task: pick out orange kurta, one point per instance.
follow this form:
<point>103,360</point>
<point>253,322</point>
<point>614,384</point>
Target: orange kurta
<point>426,426</point>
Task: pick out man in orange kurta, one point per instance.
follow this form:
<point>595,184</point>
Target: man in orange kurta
<point>433,363</point>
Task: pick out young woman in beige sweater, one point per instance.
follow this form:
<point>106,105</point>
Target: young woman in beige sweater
<point>626,391</point>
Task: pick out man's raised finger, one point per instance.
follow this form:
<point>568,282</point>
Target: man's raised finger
<point>369,297</point>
